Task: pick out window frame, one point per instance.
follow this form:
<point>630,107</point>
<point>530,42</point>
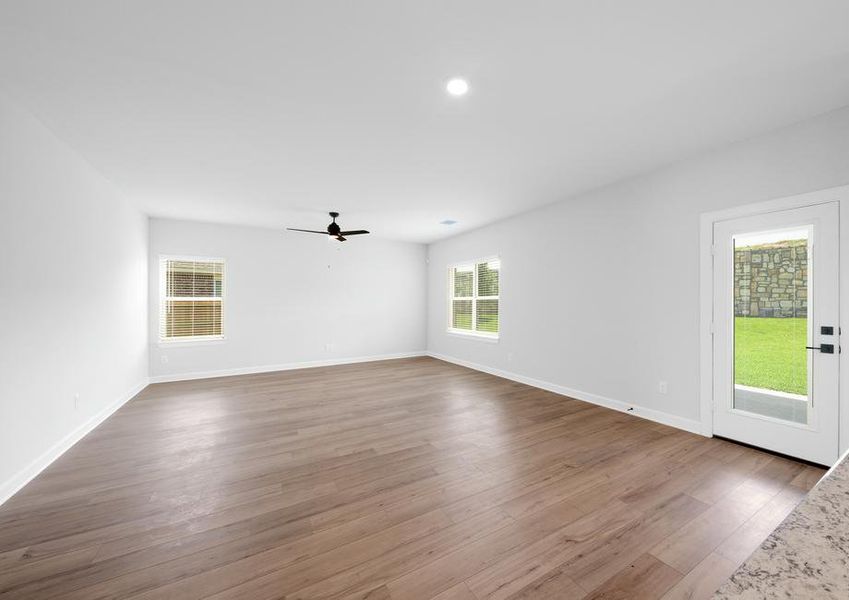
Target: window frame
<point>473,333</point>
<point>163,298</point>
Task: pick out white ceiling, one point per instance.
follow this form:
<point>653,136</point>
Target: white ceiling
<point>273,112</point>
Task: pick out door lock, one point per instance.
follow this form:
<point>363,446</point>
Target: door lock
<point>824,348</point>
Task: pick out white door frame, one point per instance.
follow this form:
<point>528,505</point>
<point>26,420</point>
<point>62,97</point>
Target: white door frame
<point>838,194</point>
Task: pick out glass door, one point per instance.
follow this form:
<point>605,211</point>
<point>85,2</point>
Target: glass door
<point>776,333</point>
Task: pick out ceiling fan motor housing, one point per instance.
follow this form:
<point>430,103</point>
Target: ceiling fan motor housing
<point>333,228</point>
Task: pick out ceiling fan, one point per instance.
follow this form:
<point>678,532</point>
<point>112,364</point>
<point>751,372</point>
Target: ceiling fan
<point>333,230</point>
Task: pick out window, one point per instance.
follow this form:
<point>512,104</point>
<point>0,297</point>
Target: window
<point>474,291</point>
<point>192,293</point>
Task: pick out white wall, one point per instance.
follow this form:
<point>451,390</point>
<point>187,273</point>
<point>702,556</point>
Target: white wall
<point>73,297</point>
<point>601,292</point>
<point>288,295</point>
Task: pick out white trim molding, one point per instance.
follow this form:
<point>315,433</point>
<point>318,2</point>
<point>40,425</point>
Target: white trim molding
<point>282,367</point>
<point>657,416</point>
<point>13,485</point>
<point>472,335</point>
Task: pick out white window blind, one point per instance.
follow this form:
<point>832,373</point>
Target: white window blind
<point>192,293</point>
<point>474,290</point>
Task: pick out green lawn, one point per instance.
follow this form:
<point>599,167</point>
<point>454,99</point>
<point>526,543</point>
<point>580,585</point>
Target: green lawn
<point>462,321</point>
<point>770,353</point>
<point>488,323</point>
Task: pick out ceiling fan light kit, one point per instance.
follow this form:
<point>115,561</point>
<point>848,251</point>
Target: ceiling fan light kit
<point>333,230</point>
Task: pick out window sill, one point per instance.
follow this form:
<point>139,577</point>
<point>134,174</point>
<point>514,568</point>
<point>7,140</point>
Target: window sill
<point>207,341</point>
<point>472,335</point>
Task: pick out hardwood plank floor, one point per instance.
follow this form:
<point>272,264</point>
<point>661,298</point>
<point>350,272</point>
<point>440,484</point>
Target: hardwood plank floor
<point>406,479</point>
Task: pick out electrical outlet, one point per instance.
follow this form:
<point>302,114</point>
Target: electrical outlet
<point>663,387</point>
<point>328,347</point>
<point>509,357</point>
<point>76,400</point>
<point>164,359</point>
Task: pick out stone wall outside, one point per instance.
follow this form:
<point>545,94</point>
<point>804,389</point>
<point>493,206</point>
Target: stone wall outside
<point>771,280</point>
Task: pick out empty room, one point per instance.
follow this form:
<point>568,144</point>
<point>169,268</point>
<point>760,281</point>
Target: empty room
<point>424,300</point>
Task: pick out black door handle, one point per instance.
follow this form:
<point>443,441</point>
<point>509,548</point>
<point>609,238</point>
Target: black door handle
<point>824,348</point>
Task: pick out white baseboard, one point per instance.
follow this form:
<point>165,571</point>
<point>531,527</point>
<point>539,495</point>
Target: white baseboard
<point>283,367</point>
<point>10,487</point>
<point>690,425</point>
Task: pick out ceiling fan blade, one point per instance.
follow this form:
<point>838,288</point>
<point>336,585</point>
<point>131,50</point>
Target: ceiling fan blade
<point>340,238</point>
<point>357,232</point>
<point>306,230</point>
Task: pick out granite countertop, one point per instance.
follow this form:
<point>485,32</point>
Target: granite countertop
<point>807,556</point>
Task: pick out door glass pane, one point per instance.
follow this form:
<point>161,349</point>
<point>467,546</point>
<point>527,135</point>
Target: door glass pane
<point>771,324</point>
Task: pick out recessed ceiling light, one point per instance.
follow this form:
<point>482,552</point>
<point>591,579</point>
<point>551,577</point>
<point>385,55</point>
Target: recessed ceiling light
<point>457,87</point>
<point>448,222</point>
